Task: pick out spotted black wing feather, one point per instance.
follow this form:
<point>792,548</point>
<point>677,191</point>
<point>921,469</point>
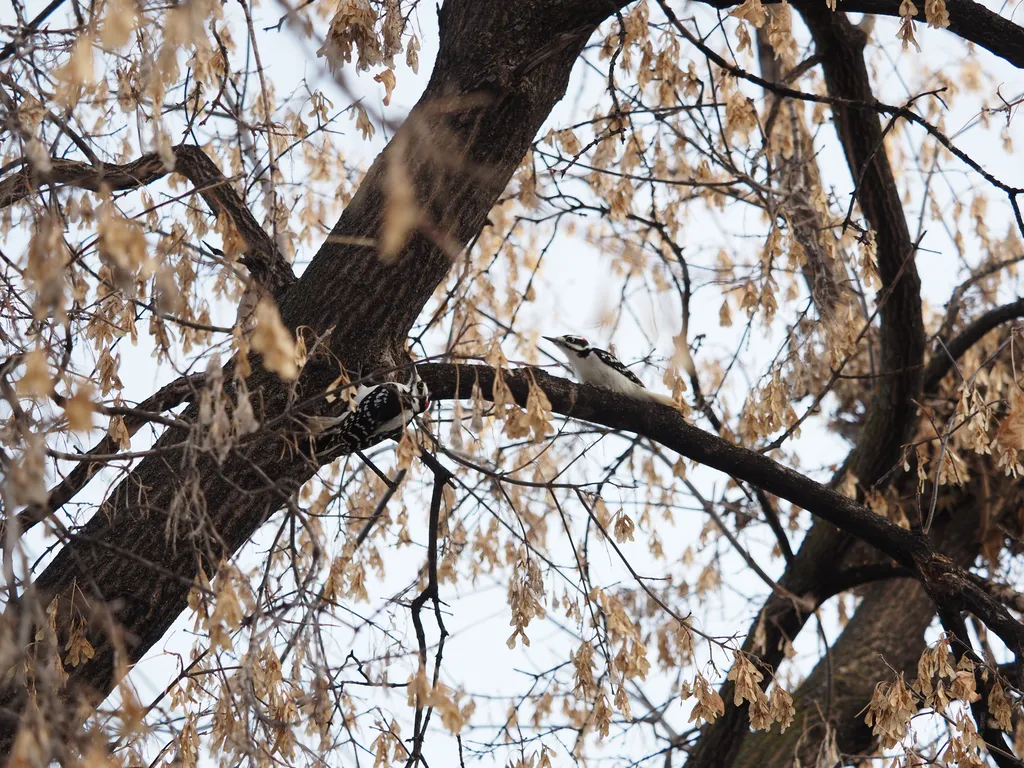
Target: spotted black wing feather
<point>387,405</point>
<point>381,413</point>
<point>359,430</point>
<point>613,362</point>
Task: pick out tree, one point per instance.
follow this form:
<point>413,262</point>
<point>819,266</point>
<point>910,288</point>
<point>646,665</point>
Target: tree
<point>137,132</point>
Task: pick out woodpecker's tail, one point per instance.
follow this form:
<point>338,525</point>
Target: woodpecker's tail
<point>319,424</point>
<point>657,397</point>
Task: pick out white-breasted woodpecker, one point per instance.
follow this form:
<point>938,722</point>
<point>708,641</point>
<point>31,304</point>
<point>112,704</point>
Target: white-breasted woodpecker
<point>602,369</point>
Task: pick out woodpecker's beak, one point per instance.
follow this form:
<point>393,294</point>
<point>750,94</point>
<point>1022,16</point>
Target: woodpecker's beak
<point>552,339</point>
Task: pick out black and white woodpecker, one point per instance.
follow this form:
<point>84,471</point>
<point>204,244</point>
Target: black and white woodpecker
<point>602,369</point>
<point>379,412</point>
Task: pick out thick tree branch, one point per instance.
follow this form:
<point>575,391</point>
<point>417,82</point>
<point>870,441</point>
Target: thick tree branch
<point>891,416</point>
<point>74,173</point>
<point>1004,593</point>
<point>967,19</point>
<point>799,180</point>
<point>944,581</point>
<point>668,428</point>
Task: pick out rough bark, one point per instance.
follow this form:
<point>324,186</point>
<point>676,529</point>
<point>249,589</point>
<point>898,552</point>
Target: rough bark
<point>798,180</point>
<point>126,574</point>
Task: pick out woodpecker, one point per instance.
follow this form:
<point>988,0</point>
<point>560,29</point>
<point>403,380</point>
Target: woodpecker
<point>602,369</point>
<point>381,411</point>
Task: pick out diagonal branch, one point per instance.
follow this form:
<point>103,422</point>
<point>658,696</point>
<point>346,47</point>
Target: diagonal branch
<point>12,46</point>
<point>668,428</point>
<point>262,258</point>
<point>945,359</point>
<point>944,581</point>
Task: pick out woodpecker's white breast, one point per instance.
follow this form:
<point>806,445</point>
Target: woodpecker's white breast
<point>591,370</point>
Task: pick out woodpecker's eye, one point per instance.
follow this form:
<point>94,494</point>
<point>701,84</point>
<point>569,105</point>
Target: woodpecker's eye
<point>577,341</point>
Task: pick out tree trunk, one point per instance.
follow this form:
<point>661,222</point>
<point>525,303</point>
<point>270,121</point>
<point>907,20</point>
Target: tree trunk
<point>126,574</point>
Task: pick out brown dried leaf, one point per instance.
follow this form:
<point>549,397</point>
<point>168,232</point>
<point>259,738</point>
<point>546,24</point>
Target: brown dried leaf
<point>272,340</point>
<point>401,214</point>
<point>387,79</point>
<point>751,11</point>
<point>79,409</point>
<point>119,433</point>
<point>36,381</point>
<point>709,706</point>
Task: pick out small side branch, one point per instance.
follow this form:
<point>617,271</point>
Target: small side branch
<point>941,364</point>
<point>262,258</point>
<point>442,477</point>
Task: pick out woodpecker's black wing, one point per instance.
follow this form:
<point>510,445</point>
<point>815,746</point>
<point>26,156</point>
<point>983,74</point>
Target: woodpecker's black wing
<point>363,427</point>
<point>613,362</point>
<point>382,412</point>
